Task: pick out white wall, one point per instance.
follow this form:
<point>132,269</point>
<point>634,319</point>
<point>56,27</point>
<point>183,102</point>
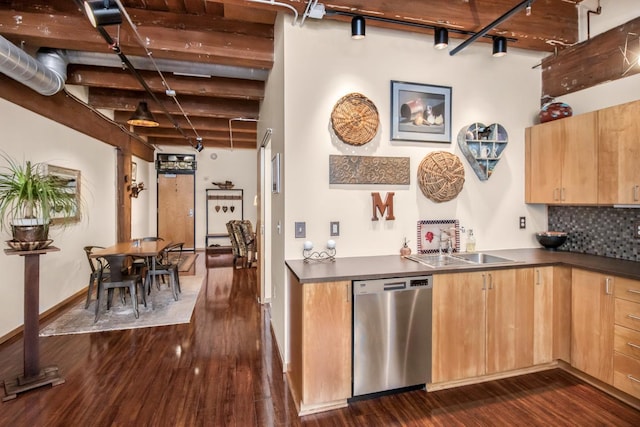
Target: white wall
<point>27,136</point>
<point>484,89</point>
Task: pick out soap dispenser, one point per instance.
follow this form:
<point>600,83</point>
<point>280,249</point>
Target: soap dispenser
<point>471,241</point>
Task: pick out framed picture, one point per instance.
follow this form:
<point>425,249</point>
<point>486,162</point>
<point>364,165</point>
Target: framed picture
<point>420,112</point>
<point>431,231</point>
<point>71,178</point>
<point>275,173</point>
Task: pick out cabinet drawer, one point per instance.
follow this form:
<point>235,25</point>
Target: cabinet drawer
<point>626,375</point>
<point>627,341</point>
<point>627,314</point>
<point>627,289</point>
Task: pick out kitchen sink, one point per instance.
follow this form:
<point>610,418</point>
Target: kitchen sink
<point>482,258</point>
<point>460,259</point>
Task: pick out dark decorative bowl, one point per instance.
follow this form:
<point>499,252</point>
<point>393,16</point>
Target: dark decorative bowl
<point>551,239</point>
<point>28,246</point>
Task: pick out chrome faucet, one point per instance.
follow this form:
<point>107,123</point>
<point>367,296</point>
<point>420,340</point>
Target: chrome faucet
<point>446,236</point>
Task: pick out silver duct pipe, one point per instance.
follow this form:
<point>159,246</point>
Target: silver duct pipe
<point>46,75</point>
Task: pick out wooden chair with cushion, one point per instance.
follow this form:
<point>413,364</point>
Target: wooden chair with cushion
<point>235,246</point>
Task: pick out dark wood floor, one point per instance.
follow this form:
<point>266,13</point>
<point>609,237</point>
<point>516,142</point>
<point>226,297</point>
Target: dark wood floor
<point>223,370</point>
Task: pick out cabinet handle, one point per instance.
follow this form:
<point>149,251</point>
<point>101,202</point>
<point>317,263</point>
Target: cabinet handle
<point>632,378</point>
<point>348,292</point>
<point>633,345</point>
<point>556,192</point>
<point>562,194</point>
<point>538,281</point>
<point>633,291</point>
<point>636,193</point>
<point>490,281</point>
<point>633,317</point>
<point>607,286</point>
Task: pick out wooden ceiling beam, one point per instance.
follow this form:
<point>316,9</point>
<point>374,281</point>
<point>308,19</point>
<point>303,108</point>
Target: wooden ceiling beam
<point>192,105</point>
<point>207,143</point>
<point>66,31</point>
<point>598,60</point>
<point>200,123</point>
<point>159,132</point>
<point>114,78</point>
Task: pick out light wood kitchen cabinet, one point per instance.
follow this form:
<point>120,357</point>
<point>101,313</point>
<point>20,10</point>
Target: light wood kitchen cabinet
<point>561,313</point>
<point>562,161</point>
<point>543,315</point>
<point>592,318</point>
<point>482,323</point>
<point>626,356</point>
<point>618,154</point>
<point>320,344</point>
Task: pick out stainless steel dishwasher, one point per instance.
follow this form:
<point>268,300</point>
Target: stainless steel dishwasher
<point>391,334</point>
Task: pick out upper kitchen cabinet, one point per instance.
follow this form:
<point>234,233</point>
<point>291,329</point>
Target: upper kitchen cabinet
<point>562,161</point>
<point>618,154</point>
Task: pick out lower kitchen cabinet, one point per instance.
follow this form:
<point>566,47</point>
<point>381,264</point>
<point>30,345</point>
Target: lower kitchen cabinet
<point>482,323</point>
<point>320,341</point>
<point>592,318</point>
<point>626,357</point>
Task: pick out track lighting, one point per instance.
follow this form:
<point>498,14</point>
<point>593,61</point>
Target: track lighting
<point>440,38</point>
<point>143,117</point>
<point>358,27</point>
<point>199,147</point>
<point>102,12</point>
<point>499,46</point>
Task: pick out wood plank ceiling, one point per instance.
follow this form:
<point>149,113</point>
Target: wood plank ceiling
<point>229,45</point>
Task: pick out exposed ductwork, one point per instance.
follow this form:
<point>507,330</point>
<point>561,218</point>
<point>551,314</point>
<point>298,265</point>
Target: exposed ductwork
<point>46,75</point>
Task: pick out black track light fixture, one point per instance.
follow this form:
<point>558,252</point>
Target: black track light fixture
<point>102,12</point>
<point>440,38</point>
<point>358,27</point>
<point>199,147</point>
<point>499,46</point>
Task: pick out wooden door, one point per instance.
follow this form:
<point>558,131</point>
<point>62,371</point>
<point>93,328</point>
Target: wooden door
<point>545,151</point>
<point>543,315</point>
<point>458,326</point>
<point>618,154</point>
<point>509,317</point>
<point>176,208</point>
<point>580,159</point>
<point>592,318</point>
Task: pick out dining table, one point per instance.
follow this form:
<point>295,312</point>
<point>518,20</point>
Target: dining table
<point>139,248</point>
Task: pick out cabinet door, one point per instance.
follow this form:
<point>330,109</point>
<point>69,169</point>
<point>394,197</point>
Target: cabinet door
<point>544,168</point>
<point>580,159</point>
<point>592,317</point>
<point>543,315</point>
<point>618,154</point>
<point>509,335</point>
<point>458,326</point>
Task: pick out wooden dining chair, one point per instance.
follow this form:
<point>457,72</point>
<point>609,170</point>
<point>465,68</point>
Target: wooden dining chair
<point>118,278</point>
<point>95,271</point>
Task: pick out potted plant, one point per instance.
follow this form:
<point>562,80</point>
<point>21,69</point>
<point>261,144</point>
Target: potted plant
<point>29,196</point>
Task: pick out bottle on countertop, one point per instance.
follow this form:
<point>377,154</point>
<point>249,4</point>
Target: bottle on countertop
<point>471,241</point>
<point>405,249</point>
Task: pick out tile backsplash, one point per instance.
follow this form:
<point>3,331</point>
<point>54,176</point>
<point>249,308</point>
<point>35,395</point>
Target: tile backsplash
<point>604,231</point>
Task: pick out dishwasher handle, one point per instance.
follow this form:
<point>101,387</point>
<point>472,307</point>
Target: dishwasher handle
<point>395,286</point>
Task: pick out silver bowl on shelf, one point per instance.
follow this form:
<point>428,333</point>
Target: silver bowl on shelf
<point>551,239</point>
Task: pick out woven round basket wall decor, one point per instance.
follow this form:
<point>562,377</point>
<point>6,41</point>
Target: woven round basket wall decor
<point>354,119</point>
<point>441,176</point>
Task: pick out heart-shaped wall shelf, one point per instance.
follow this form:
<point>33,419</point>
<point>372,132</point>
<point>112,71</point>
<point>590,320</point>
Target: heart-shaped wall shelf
<point>482,146</point>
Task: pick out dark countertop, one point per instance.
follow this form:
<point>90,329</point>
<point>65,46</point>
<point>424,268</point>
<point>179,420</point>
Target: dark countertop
<point>378,267</point>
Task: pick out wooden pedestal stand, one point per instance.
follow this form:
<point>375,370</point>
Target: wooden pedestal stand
<point>33,376</point>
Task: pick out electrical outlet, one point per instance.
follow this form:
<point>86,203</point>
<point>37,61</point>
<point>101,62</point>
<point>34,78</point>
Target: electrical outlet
<point>636,230</point>
<point>301,230</point>
<point>523,222</point>
<point>334,229</point>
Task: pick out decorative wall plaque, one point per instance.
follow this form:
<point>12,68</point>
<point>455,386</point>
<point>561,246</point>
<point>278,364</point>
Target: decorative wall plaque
<point>482,146</point>
<point>369,170</point>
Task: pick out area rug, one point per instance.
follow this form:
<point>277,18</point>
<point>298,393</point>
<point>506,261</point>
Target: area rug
<point>161,310</point>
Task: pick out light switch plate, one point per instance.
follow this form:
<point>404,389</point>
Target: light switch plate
<point>636,230</point>
<point>523,222</point>
<point>301,230</point>
<point>334,228</point>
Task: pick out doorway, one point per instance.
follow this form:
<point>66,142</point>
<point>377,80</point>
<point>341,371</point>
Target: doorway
<point>176,204</point>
